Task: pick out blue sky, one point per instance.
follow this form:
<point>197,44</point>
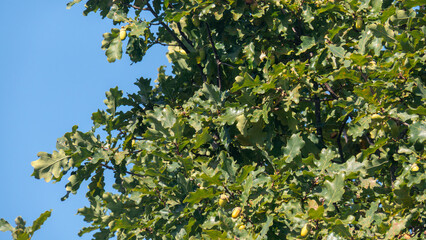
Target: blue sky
<point>53,75</point>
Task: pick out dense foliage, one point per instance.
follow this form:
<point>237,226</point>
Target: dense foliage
<point>307,115</point>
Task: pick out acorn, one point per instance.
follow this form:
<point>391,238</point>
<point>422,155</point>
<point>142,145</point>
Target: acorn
<point>223,200</point>
<point>305,230</point>
<point>359,24</point>
<point>123,33</point>
<point>414,167</point>
<point>236,212</point>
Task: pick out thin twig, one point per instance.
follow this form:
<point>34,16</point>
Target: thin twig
<point>181,44</point>
<point>337,207</point>
<point>399,121</point>
<point>333,94</point>
<point>128,172</point>
<point>177,149</point>
<point>313,100</point>
<point>159,196</point>
<point>231,194</point>
<point>227,64</point>
<point>218,62</point>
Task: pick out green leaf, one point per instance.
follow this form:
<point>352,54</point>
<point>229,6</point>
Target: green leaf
<point>316,214</point>
<point>5,226</point>
<point>369,215</point>
<point>334,190</point>
<point>70,4</point>
<point>200,194</point>
<point>337,51</point>
<point>115,50</point>
<point>293,147</point>
<point>307,43</point>
<point>380,31</point>
<point>244,172</point>
<point>396,227</point>
<point>344,73</point>
<point>246,81</point>
<point>20,222</point>
<point>113,99</point>
<point>241,123</point>
<point>169,117</point>
<point>324,162</point>
<point>341,229</point>
<point>359,59</point>
<point>247,187</point>
<point>50,166</point>
<point>365,37</point>
<point>229,167</point>
<point>139,28</point>
<point>202,138</point>
<point>215,234</point>
<point>372,149</point>
<point>22,235</point>
<point>376,45</point>
<point>249,51</point>
<point>40,220</point>
<point>358,125</point>
<point>351,167</point>
<point>387,13</point>
<point>414,3</point>
<point>230,116</point>
<point>113,45</point>
<point>265,227</point>
<point>376,5</point>
<point>417,132</point>
<point>117,14</point>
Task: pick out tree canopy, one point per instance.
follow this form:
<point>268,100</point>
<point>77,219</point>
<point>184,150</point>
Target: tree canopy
<point>280,120</point>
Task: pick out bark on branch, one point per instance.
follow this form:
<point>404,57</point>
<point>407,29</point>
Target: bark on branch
<point>177,39</point>
<point>318,123</point>
<point>339,144</point>
<point>216,56</point>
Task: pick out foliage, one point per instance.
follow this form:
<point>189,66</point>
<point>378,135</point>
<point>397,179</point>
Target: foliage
<point>301,112</point>
<point>20,232</point>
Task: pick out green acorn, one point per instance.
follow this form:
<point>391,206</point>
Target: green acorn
<point>359,23</point>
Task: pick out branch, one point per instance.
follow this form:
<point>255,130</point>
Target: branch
<point>128,172</point>
<point>318,114</point>
<point>313,99</point>
<point>333,94</point>
<point>181,44</point>
<point>363,75</point>
<point>399,121</point>
<point>339,145</point>
<point>231,194</point>
<point>177,149</point>
<point>218,62</point>
<point>184,35</point>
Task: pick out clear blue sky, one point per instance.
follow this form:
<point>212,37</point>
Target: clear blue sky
<point>53,75</point>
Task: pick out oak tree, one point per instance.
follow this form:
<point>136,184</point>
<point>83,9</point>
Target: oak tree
<point>305,117</point>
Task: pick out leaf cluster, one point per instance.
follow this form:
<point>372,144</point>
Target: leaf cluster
<point>292,109</point>
<point>21,232</point>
